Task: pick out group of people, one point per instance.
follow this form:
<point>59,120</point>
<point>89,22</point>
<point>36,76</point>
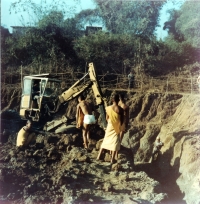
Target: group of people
<point>117,116</point>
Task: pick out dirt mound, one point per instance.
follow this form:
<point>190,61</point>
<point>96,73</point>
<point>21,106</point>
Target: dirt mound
<point>58,170</point>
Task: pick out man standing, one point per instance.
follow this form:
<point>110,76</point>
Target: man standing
<point>84,119</point>
<point>156,149</point>
<point>36,90</point>
<point>115,117</point>
<point>25,135</point>
<point>130,80</point>
<point>123,105</point>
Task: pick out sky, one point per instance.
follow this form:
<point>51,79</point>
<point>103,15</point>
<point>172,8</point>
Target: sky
<point>8,20</point>
<point>164,16</point>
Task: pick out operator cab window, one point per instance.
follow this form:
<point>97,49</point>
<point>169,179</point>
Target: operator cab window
<point>36,91</point>
<point>27,87</point>
<point>36,85</point>
<point>43,85</point>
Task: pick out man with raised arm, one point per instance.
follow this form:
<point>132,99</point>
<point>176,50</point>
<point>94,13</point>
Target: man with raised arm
<point>115,117</point>
<point>125,107</point>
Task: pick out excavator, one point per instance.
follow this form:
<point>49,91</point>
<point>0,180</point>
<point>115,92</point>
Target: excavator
<point>43,99</point>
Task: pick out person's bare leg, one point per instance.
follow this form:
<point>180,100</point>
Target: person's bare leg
<point>99,155</point>
<point>84,137</point>
<point>117,154</point>
<point>121,135</point>
<point>88,134</point>
<point>113,156</point>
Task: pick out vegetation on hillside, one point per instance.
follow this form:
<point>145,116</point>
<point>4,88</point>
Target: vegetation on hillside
<point>56,42</point>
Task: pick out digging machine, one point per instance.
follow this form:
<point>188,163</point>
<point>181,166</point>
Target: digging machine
<point>46,105</point>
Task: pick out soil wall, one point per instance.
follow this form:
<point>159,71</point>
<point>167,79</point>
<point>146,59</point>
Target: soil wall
<point>173,117</point>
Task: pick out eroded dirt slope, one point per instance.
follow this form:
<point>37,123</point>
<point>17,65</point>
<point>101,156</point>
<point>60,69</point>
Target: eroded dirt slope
<point>175,118</point>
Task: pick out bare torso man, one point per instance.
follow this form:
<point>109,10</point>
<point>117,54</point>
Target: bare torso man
<point>84,119</point>
<point>123,105</point>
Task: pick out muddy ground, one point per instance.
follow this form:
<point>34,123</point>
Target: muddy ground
<point>57,169</point>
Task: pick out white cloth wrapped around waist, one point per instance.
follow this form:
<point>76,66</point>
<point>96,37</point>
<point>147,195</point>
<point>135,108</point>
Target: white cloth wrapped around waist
<point>89,119</point>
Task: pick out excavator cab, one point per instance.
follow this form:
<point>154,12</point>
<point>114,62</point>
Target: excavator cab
<point>39,95</point>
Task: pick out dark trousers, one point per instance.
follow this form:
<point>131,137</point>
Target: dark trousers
<point>130,84</point>
<point>155,153</point>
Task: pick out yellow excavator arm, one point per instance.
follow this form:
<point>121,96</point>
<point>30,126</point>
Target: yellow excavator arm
<point>78,88</point>
<point>75,90</point>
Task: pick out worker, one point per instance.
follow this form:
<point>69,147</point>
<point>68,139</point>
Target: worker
<point>36,92</point>
<point>84,119</point>
<point>130,80</point>
<point>125,107</point>
<point>25,135</point>
<point>114,117</point>
<point>156,149</point>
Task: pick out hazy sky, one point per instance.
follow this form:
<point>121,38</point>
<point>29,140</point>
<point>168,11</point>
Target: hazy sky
<point>8,20</point>
<point>13,19</point>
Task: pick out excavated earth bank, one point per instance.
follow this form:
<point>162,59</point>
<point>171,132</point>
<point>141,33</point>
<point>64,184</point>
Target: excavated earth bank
<point>56,169</point>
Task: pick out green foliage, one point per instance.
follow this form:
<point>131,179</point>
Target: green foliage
<point>58,42</point>
<point>170,25</point>
<point>45,45</point>
<point>182,46</point>
<point>88,16</point>
<point>4,56</point>
<point>54,17</point>
<point>136,17</point>
<point>188,22</point>
<point>184,24</point>
<point>172,55</point>
<point>111,52</point>
<point>101,48</point>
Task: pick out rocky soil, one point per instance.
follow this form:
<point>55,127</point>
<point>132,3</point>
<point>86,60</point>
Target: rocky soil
<point>57,169</point>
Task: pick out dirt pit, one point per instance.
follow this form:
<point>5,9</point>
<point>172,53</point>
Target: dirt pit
<point>57,169</point>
